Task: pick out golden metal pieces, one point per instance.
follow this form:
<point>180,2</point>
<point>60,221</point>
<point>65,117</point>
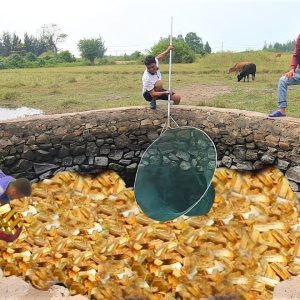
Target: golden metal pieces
<point>88,233</point>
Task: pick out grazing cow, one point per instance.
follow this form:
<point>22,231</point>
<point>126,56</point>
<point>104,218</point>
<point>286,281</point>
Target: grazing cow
<point>246,71</point>
<point>238,66</point>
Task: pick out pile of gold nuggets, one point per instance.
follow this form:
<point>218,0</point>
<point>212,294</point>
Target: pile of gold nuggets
<point>89,234</point>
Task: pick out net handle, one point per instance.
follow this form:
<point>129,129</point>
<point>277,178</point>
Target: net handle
<point>170,72</point>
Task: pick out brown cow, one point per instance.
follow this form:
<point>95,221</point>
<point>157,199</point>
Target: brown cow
<point>239,66</point>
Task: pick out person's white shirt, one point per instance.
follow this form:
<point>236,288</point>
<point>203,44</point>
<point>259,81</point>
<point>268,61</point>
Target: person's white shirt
<point>149,79</point>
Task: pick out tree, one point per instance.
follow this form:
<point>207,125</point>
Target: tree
<point>194,42</point>
<point>180,37</point>
<point>207,48</point>
<point>34,45</point>
<point>17,45</point>
<point>6,43</point>
<point>52,36</point>
<point>182,53</point>
<point>278,47</point>
<point>91,49</point>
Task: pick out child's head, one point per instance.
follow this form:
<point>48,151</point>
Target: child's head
<point>18,188</point>
<point>149,60</point>
<point>150,63</point>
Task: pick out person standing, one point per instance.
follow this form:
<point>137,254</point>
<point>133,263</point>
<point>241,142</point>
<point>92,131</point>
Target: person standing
<point>152,80</point>
<point>292,77</point>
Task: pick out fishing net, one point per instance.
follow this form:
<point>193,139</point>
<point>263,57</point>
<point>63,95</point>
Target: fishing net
<point>175,173</point>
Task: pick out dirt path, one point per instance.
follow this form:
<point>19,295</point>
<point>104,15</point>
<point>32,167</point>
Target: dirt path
<point>201,92</point>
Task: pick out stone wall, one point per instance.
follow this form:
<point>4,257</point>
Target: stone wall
<point>93,141</point>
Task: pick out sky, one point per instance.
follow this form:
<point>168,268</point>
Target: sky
<point>126,26</point>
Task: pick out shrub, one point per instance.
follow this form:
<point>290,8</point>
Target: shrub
<point>15,61</point>
<point>66,56</point>
<point>183,53</point>
<point>30,56</point>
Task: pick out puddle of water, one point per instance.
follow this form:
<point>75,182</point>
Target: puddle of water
<point>13,113</point>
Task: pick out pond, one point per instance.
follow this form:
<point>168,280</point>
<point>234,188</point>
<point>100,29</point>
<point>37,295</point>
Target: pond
<point>13,113</point>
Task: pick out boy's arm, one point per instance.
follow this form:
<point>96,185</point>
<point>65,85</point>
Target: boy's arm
<point>154,93</point>
<point>296,55</point>
<point>165,53</point>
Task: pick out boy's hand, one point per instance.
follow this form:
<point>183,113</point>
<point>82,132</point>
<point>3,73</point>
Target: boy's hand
<point>290,74</point>
<point>171,47</point>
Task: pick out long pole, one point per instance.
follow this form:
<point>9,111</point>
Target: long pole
<point>170,71</point>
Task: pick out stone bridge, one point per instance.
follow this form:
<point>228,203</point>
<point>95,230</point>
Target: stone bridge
<point>93,141</point>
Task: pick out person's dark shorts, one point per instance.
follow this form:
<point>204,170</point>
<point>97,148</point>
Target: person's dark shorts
<point>149,98</point>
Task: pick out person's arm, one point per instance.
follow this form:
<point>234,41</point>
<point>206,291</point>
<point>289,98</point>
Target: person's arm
<point>154,93</point>
<point>165,53</point>
<point>295,59</point>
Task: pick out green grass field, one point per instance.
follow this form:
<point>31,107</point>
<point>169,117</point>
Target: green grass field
<point>205,82</point>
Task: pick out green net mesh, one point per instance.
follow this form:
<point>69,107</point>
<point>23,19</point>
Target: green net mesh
<point>175,173</point>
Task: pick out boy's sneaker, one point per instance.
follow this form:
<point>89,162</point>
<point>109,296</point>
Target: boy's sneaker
<point>153,104</point>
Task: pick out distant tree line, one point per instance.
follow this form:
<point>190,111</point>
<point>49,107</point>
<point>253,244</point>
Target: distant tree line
<point>43,50</point>
<point>278,47</point>
<point>48,40</point>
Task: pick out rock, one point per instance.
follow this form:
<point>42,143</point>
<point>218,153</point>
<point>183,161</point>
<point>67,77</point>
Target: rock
<point>132,167</point>
<point>130,154</point>
<point>251,155</point>
<point>101,161</point>
<point>184,165</point>
<point>258,165</point>
<point>282,164</point>
<point>121,141</point>
<point>115,154</point>
<point>227,161</point>
<point>268,159</point>
<point>67,161</point>
<point>293,174</point>
<point>146,122</point>
<point>78,160</point>
<point>28,154</point>
<point>245,166</point>
<point>99,142</point>
<point>152,135</point>
<point>42,155</point>
<point>104,150</point>
<point>45,175</point>
<point>116,167</point>
<point>294,186</point>
<point>183,155</point>
<point>250,145</point>
<point>22,165</point>
<point>125,162</point>
<point>63,152</point>
<point>43,139</point>
<point>92,149</point>
<point>77,149</point>
<point>9,160</point>
<point>40,168</point>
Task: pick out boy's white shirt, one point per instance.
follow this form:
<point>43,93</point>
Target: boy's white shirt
<point>149,80</point>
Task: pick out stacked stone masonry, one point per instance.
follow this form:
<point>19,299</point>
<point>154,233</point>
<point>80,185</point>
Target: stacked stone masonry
<point>94,141</point>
